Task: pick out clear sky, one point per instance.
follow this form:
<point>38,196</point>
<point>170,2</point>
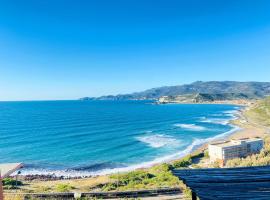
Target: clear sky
<point>63,49</point>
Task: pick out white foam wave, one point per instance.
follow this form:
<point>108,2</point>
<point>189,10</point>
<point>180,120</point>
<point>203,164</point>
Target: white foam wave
<point>231,112</point>
<point>57,173</point>
<point>217,115</point>
<point>72,173</point>
<point>192,127</point>
<point>158,140</point>
<point>215,121</point>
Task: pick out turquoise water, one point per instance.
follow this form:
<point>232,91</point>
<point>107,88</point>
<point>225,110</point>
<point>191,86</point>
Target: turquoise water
<point>96,137</point>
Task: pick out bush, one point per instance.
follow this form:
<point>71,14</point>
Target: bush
<point>184,162</point>
<point>10,183</point>
<point>63,187</point>
<point>155,177</point>
<point>206,154</point>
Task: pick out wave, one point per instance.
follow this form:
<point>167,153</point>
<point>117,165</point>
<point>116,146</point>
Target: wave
<point>192,127</point>
<point>97,166</point>
<point>158,140</point>
<point>105,171</point>
<point>231,113</point>
<point>215,121</point>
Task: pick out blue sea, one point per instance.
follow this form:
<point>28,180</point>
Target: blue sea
<point>82,138</point>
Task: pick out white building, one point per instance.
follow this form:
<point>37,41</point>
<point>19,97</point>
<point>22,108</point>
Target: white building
<point>226,150</point>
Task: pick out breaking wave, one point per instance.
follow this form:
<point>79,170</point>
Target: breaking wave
<point>191,127</point>
<point>110,170</point>
<point>215,121</point>
<point>84,172</point>
<point>158,140</point>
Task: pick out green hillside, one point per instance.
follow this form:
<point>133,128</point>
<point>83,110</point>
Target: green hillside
<point>260,113</point>
<point>203,98</point>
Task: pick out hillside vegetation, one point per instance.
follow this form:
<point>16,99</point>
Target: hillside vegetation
<point>203,97</point>
<point>260,113</point>
<point>159,176</point>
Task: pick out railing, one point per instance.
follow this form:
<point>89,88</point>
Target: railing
<point>99,195</point>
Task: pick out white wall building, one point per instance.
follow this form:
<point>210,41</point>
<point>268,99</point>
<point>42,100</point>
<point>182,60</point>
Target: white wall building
<point>226,150</point>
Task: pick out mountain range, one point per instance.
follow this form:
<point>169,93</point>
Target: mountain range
<point>247,89</point>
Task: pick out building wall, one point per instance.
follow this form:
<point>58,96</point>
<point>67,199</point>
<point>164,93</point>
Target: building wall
<point>236,151</point>
<point>256,146</point>
<point>242,149</point>
<point>215,153</point>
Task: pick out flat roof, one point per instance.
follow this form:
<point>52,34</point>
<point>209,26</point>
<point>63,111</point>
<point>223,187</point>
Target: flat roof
<point>229,143</point>
<point>8,168</point>
<point>235,183</point>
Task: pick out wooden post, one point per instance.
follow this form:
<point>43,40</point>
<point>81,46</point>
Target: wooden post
<point>1,188</point>
<point>194,196</point>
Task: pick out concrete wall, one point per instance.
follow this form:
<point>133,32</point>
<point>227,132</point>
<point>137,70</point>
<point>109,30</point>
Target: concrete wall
<point>215,153</point>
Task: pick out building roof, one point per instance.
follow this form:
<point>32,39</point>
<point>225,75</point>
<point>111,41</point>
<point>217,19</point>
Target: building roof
<point>235,142</point>
<point>228,183</point>
<point>8,168</point>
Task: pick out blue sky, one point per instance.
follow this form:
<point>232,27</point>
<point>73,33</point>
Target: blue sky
<point>68,49</point>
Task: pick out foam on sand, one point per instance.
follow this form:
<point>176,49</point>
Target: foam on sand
<point>158,140</point>
<point>191,127</point>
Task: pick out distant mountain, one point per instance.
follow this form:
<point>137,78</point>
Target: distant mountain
<point>251,89</point>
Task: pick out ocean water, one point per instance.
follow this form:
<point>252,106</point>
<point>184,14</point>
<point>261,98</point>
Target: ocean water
<point>82,138</point>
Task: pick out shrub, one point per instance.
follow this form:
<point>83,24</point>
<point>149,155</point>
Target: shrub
<point>206,154</point>
<point>109,187</point>
<point>184,162</point>
<point>63,187</point>
<point>155,177</point>
<point>10,183</point>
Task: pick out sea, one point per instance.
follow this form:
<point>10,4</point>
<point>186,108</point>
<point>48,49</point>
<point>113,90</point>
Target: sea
<point>88,138</point>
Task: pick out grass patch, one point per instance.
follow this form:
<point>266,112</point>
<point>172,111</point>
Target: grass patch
<point>64,187</point>
<point>159,176</point>
<point>260,113</point>
<point>188,160</point>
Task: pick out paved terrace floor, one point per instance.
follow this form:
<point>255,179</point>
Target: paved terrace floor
<point>8,168</point>
<point>228,183</point>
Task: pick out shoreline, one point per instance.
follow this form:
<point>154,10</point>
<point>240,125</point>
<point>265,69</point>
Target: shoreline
<point>195,146</point>
<point>242,126</point>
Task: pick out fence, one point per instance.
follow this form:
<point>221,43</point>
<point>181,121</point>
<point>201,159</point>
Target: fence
<point>91,195</point>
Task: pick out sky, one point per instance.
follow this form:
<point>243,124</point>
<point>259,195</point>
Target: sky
<point>63,49</point>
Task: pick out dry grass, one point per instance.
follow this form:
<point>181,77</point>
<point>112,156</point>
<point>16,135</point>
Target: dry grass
<point>83,185</point>
<point>14,196</point>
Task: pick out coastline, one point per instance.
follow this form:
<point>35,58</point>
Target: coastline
<point>241,127</point>
<point>195,146</point>
<point>245,128</point>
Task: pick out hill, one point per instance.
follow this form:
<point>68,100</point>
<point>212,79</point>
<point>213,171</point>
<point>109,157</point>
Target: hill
<point>251,89</point>
<point>203,98</point>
